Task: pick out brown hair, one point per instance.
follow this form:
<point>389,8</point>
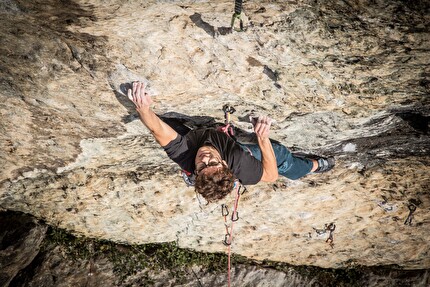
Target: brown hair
<point>216,185</point>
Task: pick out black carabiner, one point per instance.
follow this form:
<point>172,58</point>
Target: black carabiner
<point>224,210</point>
<point>244,189</point>
<point>331,227</point>
<point>228,109</point>
<point>235,216</point>
<point>226,240</point>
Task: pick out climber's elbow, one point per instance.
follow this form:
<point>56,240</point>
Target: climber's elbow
<point>269,176</point>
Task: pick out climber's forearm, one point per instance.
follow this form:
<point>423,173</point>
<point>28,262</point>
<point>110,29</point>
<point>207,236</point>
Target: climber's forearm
<point>268,159</point>
<point>162,132</point>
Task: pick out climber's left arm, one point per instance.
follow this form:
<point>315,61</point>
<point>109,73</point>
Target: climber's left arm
<point>162,132</point>
<point>262,128</point>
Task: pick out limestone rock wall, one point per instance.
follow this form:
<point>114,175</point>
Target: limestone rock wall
<point>342,78</point>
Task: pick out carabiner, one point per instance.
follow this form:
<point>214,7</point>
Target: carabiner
<point>224,210</point>
<point>235,216</point>
<point>228,111</point>
<point>331,227</point>
<point>226,239</point>
<point>233,19</point>
<point>244,189</point>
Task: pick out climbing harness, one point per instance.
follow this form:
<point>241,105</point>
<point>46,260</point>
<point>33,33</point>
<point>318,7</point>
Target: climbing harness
<point>237,15</point>
<point>228,238</point>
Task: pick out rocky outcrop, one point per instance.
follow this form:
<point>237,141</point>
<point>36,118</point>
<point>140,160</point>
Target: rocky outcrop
<point>342,78</point>
<point>20,240</point>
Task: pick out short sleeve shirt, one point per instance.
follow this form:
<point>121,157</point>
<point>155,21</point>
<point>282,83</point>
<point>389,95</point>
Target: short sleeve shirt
<point>183,151</point>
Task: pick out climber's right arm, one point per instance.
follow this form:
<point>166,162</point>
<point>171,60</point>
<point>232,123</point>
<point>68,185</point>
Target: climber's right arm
<point>162,132</point>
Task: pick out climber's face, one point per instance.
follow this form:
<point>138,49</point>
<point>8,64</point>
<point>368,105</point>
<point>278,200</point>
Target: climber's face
<point>208,160</point>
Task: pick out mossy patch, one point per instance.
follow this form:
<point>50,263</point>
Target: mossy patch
<point>130,259</point>
<point>147,264</point>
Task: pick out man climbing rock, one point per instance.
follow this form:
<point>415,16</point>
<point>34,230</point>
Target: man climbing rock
<point>217,160</point>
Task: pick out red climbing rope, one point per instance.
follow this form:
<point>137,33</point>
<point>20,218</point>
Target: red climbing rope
<point>228,238</point>
<point>229,229</point>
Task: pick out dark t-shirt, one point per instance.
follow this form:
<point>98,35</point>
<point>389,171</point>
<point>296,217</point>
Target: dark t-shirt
<point>183,151</point>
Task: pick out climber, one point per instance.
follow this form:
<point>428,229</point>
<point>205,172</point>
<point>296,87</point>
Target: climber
<point>217,160</point>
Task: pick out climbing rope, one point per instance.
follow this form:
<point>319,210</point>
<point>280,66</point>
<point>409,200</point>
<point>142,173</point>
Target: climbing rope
<point>228,128</point>
<point>228,238</point>
<point>189,178</point>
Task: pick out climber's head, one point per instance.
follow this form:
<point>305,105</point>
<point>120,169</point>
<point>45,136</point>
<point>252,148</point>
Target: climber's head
<point>214,180</point>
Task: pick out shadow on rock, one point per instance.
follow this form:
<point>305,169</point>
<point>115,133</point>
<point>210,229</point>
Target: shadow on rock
<point>208,28</point>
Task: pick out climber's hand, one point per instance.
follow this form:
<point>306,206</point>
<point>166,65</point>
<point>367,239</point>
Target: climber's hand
<point>262,126</point>
<point>140,97</point>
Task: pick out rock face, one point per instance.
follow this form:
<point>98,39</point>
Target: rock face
<point>342,78</point>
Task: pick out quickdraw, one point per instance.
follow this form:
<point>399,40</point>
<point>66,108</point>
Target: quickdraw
<point>237,15</point>
<point>228,127</point>
<point>331,227</point>
<point>228,238</point>
<point>412,209</point>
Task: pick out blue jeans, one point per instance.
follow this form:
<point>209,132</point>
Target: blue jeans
<point>289,165</point>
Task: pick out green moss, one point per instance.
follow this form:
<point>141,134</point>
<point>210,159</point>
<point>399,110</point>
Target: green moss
<point>130,259</point>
